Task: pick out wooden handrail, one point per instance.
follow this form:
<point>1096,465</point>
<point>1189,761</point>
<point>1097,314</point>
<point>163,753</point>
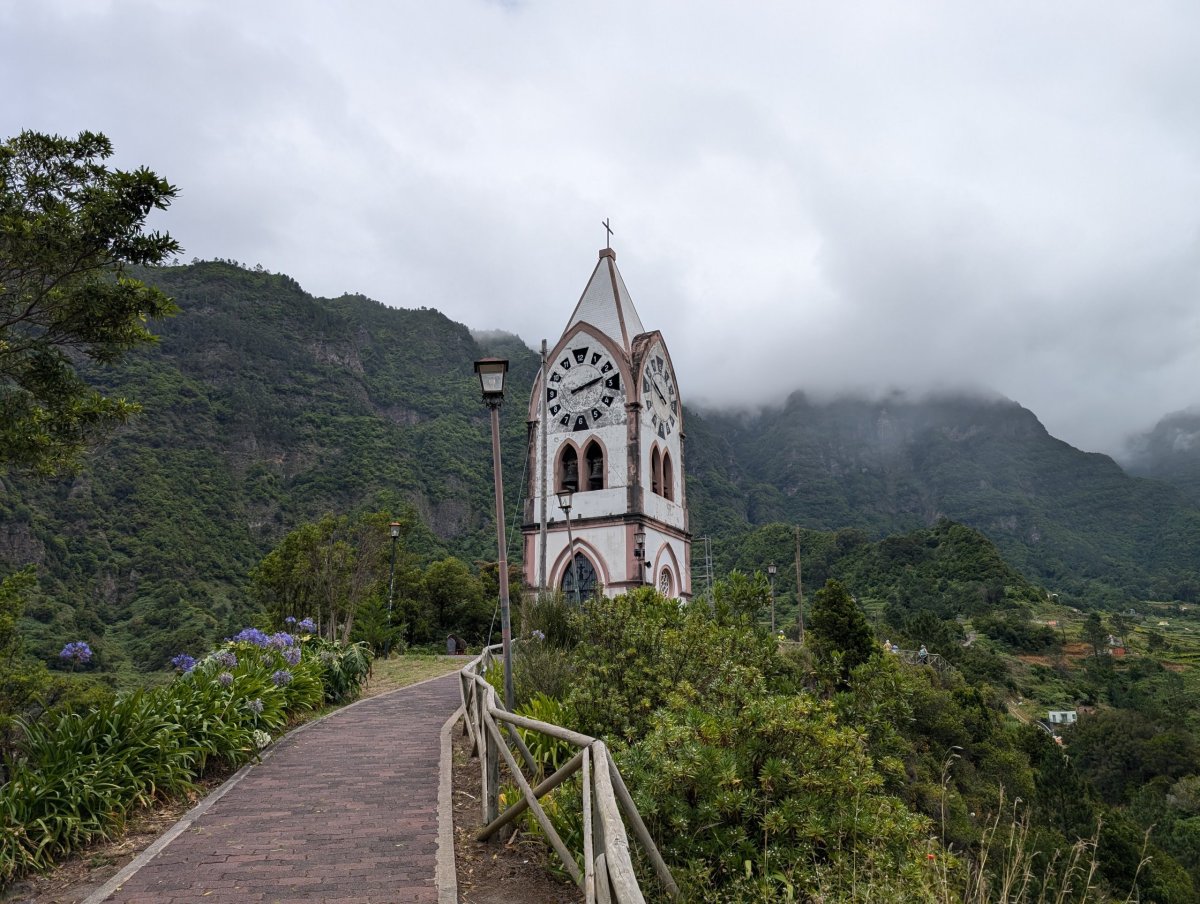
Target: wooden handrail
<point>934,660</point>
<point>608,874</point>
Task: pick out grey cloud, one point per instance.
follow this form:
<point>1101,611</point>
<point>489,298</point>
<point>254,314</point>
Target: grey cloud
<point>865,196</point>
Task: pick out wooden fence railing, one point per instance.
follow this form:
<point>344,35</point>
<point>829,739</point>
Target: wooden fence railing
<point>938,663</point>
<point>608,876</point>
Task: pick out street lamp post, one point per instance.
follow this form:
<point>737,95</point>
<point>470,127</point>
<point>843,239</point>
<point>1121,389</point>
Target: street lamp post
<point>564,503</point>
<point>394,527</point>
<point>799,587</point>
<point>639,553</point>
<point>491,373</point>
<point>771,569</point>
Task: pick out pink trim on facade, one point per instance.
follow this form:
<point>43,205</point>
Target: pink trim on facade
<point>666,552</point>
<point>567,443</point>
<point>667,481</point>
<point>604,461</point>
<point>619,355</point>
<point>563,562</point>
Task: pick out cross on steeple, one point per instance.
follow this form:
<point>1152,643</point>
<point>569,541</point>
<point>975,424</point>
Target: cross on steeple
<point>608,229</point>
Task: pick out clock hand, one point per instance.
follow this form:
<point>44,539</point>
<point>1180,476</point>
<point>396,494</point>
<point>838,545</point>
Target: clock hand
<point>586,385</point>
<point>659,393</point>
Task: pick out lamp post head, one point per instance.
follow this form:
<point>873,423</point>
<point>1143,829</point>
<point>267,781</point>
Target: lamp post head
<point>491,373</point>
<point>395,529</point>
<point>771,569</point>
<point>639,537</point>
<point>564,500</point>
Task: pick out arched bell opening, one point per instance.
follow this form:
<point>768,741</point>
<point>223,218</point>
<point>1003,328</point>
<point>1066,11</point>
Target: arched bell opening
<point>594,460</point>
<point>567,472</point>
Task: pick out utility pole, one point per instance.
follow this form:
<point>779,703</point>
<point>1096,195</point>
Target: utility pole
<point>799,585</point>
<point>394,529</point>
<point>544,429</point>
<point>771,569</point>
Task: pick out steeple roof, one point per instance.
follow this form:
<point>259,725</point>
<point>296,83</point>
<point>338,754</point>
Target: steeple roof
<point>606,304</point>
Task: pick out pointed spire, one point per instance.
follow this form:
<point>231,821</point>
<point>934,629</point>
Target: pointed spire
<point>606,304</point>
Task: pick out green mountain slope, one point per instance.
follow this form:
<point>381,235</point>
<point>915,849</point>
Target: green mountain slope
<point>1072,520</point>
<point>264,407</point>
<point>1170,452</point>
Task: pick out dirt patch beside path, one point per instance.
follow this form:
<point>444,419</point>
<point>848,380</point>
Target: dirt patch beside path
<point>515,867</point>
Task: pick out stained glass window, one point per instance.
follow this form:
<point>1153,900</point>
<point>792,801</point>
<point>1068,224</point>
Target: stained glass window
<point>587,578</point>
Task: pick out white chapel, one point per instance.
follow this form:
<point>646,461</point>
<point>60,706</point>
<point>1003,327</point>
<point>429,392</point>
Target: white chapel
<point>606,423</point>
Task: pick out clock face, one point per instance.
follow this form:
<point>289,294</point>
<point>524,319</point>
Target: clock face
<point>584,389</point>
<point>659,396</point>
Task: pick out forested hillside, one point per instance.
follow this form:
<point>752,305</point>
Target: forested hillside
<point>264,408</point>
<point>1069,519</point>
<point>1170,452</point>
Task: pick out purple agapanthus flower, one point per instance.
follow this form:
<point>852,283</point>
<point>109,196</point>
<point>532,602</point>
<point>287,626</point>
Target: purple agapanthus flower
<point>282,677</point>
<point>225,679</point>
<point>255,706</point>
<point>290,620</point>
<point>251,635</point>
<point>184,662</point>
<point>292,655</point>
<point>226,658</point>
<point>280,640</point>
<point>538,635</point>
<point>77,651</point>
<point>307,624</point>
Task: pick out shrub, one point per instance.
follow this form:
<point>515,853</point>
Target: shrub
<point>763,797</point>
<point>541,668</point>
<point>549,754</point>
<point>344,667</point>
<point>639,648</point>
<point>553,616</point>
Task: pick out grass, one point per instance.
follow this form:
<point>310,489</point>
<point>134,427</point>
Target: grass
<point>401,671</point>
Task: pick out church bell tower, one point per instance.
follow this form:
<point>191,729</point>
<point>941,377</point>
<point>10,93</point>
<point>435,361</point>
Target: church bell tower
<point>606,424</point>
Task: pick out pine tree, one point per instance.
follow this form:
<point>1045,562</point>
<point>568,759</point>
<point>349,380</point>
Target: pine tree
<point>838,625</point>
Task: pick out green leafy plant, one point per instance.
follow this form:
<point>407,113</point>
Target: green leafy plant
<point>76,776</point>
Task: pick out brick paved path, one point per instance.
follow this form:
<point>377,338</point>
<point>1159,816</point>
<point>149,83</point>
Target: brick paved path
<point>345,811</point>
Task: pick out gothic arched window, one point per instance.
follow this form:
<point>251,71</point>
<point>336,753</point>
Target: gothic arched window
<point>668,476</point>
<point>666,584</point>
<point>655,472</point>
<point>587,578</point>
<point>568,470</point>
<point>594,457</point>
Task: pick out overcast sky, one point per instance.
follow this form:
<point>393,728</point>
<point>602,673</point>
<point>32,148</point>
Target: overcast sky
<point>804,195</point>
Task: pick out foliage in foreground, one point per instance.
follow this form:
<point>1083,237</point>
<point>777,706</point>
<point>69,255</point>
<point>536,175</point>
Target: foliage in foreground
<point>78,775</point>
<point>769,774</point>
<point>69,228</point>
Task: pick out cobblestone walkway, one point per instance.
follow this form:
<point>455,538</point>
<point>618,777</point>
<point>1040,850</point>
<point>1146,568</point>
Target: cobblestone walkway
<point>344,811</point>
